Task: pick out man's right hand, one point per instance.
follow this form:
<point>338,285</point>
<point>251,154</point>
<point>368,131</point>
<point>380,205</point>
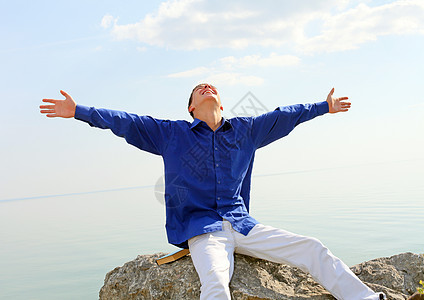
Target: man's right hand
<point>60,108</point>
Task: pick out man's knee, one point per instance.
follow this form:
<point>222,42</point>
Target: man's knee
<point>315,250</point>
<point>318,253</point>
<point>316,243</point>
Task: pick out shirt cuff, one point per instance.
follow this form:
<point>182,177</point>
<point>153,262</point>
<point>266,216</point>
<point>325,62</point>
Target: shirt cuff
<point>82,113</point>
<point>322,107</point>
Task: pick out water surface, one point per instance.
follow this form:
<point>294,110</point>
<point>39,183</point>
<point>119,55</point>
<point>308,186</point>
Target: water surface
<point>62,247</point>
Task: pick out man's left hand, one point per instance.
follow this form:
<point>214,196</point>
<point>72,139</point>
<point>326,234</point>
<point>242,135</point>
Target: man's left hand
<point>336,104</point>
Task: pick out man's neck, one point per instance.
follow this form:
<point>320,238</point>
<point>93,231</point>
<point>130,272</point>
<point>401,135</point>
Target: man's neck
<point>211,117</point>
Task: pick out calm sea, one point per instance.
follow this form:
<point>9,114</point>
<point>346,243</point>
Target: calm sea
<point>61,247</point>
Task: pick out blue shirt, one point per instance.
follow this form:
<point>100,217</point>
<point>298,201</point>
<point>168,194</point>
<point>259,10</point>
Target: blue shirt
<point>207,173</point>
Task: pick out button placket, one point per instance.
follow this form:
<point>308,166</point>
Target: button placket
<point>216,165</point>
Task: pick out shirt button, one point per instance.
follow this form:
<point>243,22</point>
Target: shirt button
<point>217,165</point>
<point>219,181</point>
<point>216,148</point>
<point>219,198</point>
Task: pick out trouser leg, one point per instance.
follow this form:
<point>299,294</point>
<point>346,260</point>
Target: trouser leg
<point>308,254</point>
<point>213,258</point>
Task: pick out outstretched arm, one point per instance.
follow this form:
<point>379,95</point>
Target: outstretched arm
<point>274,125</point>
<point>335,104</point>
<point>144,132</point>
<point>59,108</point>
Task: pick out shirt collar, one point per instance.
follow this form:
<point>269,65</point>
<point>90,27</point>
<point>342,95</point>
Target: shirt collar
<point>194,123</point>
<point>225,123</point>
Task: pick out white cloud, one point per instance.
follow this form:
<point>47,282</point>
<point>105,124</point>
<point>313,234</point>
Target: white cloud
<point>361,24</point>
<point>198,24</point>
<point>204,74</point>
<point>107,21</point>
<point>214,73</point>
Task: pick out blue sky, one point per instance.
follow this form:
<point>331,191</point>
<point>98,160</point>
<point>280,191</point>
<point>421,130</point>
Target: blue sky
<point>146,56</point>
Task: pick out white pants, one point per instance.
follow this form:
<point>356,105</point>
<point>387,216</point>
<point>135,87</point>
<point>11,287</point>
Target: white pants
<point>213,257</point>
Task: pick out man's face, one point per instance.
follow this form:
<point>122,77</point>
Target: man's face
<point>204,93</point>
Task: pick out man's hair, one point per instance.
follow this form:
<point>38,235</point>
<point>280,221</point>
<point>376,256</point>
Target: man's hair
<point>191,97</point>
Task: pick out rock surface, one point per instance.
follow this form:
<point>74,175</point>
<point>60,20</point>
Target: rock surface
<point>398,276</point>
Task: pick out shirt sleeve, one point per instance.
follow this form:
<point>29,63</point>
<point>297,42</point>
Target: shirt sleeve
<point>143,132</point>
<point>276,124</point>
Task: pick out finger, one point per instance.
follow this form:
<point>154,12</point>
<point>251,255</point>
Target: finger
<point>65,94</point>
<point>331,92</point>
<point>342,98</point>
<point>47,111</point>
<point>51,100</point>
<point>52,115</point>
<point>47,106</point>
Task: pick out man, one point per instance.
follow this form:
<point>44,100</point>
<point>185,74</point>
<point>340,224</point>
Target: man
<point>208,166</point>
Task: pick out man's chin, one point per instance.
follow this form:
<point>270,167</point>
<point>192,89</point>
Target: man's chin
<point>210,97</point>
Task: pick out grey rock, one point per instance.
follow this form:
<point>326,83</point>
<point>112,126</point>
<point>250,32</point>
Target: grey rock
<point>142,278</point>
<point>400,273</point>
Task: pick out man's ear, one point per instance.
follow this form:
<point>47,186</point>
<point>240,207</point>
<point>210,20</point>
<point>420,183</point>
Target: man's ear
<point>190,109</point>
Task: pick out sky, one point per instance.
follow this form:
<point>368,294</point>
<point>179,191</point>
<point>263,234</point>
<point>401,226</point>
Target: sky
<point>145,57</point>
